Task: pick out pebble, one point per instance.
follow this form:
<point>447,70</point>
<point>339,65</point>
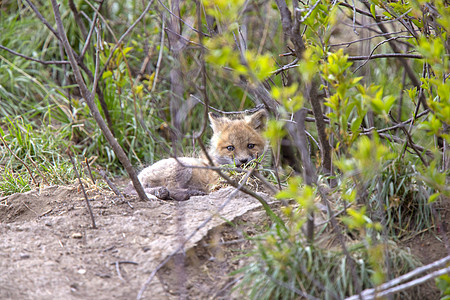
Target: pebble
<point>24,255</point>
<point>77,235</point>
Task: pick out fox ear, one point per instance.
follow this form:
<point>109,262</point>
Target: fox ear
<point>258,120</point>
<point>217,122</point>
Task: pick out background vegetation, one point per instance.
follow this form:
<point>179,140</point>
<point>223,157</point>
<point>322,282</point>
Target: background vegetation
<point>358,93</point>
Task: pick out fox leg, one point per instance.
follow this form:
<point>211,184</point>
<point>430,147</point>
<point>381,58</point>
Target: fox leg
<point>184,194</point>
<point>160,192</point>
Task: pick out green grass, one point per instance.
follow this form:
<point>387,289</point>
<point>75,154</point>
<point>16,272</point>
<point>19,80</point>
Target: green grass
<point>283,266</point>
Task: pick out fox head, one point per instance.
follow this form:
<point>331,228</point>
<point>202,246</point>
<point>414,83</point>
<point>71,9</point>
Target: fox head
<point>237,141</point>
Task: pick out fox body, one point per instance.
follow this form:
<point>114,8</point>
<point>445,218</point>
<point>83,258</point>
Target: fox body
<point>234,141</point>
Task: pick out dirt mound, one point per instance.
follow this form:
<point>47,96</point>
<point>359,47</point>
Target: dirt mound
<point>48,249</point>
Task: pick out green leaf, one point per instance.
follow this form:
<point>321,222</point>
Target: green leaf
<point>372,10</point>
<point>107,74</point>
<point>433,197</point>
<point>356,122</point>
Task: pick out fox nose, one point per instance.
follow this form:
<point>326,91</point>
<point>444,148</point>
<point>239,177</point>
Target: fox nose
<point>243,161</point>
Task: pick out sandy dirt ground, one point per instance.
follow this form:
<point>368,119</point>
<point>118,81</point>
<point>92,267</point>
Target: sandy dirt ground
<point>49,250</point>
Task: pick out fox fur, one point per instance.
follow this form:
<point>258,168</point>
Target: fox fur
<point>234,141</point>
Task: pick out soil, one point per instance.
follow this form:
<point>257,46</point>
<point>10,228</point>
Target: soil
<point>49,249</point>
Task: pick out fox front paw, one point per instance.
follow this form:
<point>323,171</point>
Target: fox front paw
<point>160,192</point>
<point>185,194</point>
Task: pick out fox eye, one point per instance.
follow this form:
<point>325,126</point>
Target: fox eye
<point>251,146</point>
<point>230,148</point>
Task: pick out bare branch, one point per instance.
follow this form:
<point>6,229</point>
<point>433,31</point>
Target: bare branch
<point>376,292</point>
<point>398,125</point>
<point>119,42</point>
<point>411,74</point>
<point>161,48</point>
<point>49,62</point>
<point>91,30</point>
<point>203,74</point>
<point>299,137</point>
<point>181,20</point>
<point>385,55</point>
<point>365,39</point>
<point>325,148</point>
<point>360,11</point>
<point>43,20</point>
<point>88,205</point>
<point>88,96</point>
<point>78,20</point>
<point>378,45</point>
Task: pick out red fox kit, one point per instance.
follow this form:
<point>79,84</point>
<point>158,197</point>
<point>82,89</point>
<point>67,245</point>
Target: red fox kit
<point>235,141</point>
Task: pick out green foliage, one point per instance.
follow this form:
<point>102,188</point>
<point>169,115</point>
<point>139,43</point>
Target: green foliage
<point>443,284</point>
<point>51,119</point>
<point>285,267</point>
<point>42,151</point>
<point>382,191</point>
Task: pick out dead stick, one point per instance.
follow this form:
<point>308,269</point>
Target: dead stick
<point>113,187</point>
<point>82,188</point>
<point>37,169</point>
<point>89,169</point>
<point>118,271</point>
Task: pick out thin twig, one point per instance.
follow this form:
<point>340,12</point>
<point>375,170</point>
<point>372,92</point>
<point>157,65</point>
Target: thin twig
<point>360,11</point>
<point>366,38</point>
<point>88,205</point>
<point>160,55</point>
<point>44,62</point>
<point>370,293</point>
<point>311,9</point>
<point>355,58</point>
<point>398,125</point>
<point>385,55</point>
<point>113,187</point>
<point>378,45</point>
<point>18,158</point>
<point>354,18</point>
<point>119,41</point>
<point>43,20</point>
<point>117,264</point>
<point>91,30</point>
<point>97,61</point>
<point>39,171</point>
<point>413,146</point>
<point>118,271</point>
<point>398,140</point>
<point>292,64</point>
<point>180,19</point>
<point>413,283</point>
<point>89,169</point>
<point>199,135</point>
<point>247,111</point>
